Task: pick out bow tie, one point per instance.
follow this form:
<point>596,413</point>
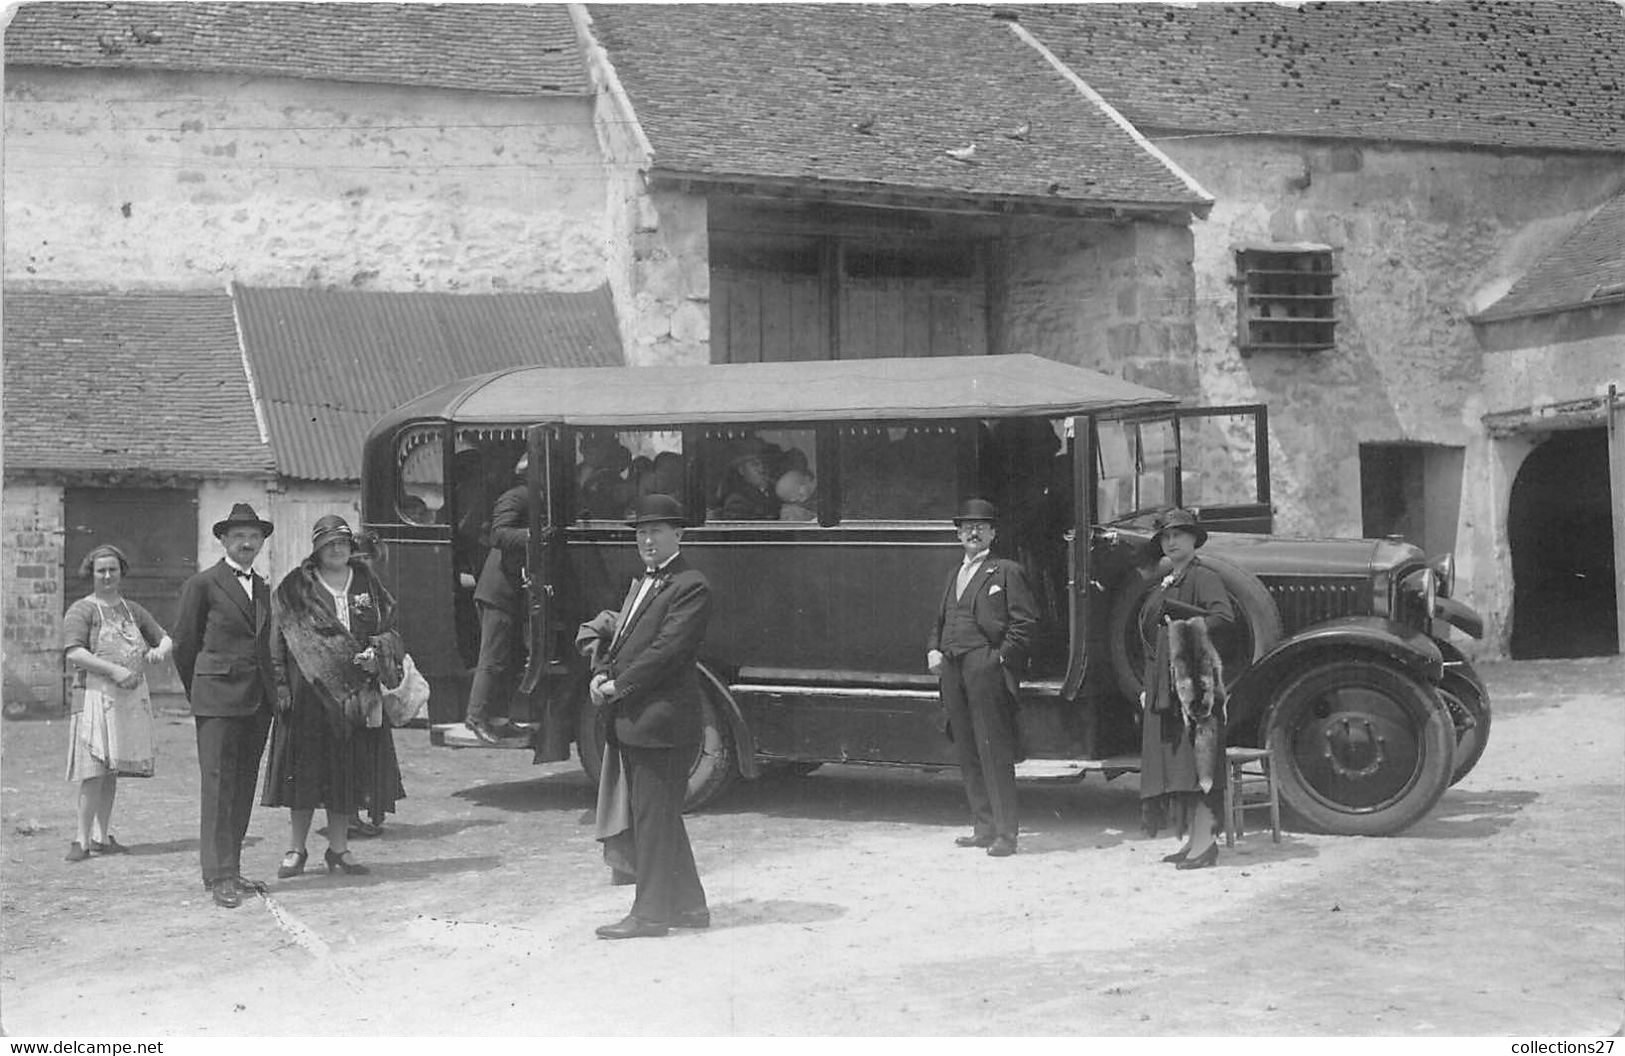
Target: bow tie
<point>240,574</point>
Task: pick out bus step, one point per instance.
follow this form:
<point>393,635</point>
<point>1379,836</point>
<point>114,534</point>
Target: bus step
<point>456,735</point>
<point>1074,769</point>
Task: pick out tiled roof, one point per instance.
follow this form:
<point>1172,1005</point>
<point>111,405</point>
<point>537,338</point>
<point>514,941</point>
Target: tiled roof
<point>1586,267</point>
<point>513,49</point>
<point>1536,75</point>
<point>121,381</point>
<point>871,95</point>
<point>328,364</point>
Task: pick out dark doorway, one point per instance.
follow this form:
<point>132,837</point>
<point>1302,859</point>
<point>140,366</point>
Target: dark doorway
<point>157,530</point>
<point>1412,491</point>
<point>1560,530</point>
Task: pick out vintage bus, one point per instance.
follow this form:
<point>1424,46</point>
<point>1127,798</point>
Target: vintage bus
<point>1340,662</point>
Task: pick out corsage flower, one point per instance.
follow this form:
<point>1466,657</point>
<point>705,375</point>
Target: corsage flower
<point>363,601</point>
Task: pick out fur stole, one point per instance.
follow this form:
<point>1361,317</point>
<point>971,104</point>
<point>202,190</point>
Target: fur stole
<point>1198,678</point>
<point>325,649</point>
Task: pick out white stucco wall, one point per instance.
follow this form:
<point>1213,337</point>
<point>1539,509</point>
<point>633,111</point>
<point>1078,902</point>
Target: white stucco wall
<point>135,179</point>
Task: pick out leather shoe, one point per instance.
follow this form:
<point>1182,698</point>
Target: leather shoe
<point>1203,860</point>
<point>973,841</point>
<point>1002,847</point>
<point>247,886</point>
<point>224,892</point>
<point>481,730</point>
<point>1178,856</point>
<point>694,918</point>
<point>633,927</point>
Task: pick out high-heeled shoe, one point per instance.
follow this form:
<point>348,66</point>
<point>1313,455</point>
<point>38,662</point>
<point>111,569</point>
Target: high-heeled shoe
<point>1203,860</point>
<point>1178,856</point>
<point>293,863</point>
<point>342,863</point>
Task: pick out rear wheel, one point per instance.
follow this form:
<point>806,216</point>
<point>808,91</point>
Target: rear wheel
<point>715,764</point>
<point>1360,748</point>
<point>1470,715</point>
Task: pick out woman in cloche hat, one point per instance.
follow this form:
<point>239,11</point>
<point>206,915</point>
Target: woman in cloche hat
<point>330,747</point>
<point>1171,773</point>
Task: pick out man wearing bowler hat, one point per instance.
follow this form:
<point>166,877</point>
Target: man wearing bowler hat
<point>978,647</point>
<point>223,654</point>
<point>643,659</point>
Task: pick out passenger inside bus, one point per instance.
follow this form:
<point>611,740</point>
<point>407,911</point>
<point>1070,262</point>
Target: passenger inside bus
<point>747,493</point>
<point>606,492</point>
<point>798,500</point>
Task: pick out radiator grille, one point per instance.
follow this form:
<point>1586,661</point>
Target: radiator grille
<point>1305,602</point>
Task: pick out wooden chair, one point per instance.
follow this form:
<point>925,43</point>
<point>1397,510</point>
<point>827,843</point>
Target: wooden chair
<point>1251,787</point>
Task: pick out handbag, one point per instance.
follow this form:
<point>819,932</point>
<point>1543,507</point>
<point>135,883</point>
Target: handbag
<point>408,701</point>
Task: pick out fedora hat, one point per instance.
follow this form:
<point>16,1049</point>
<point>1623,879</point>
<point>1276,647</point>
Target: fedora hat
<point>242,515</point>
<point>976,510</point>
<point>1184,520</point>
<point>656,507</point>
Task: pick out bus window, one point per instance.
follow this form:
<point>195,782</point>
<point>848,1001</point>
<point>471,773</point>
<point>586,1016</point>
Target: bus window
<point>761,475</point>
<point>899,473</point>
<point>421,461</point>
<point>1159,464</point>
<point>614,467</point>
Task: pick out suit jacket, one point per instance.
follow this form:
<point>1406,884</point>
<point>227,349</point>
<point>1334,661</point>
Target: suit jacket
<point>652,661</point>
<point>502,576</point>
<point>223,644</point>
<point>1002,607</point>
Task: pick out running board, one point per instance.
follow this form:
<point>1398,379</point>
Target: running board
<point>1074,769</point>
<point>456,735</point>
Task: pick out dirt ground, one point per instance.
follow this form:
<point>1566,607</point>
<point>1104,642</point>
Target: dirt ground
<point>841,907</point>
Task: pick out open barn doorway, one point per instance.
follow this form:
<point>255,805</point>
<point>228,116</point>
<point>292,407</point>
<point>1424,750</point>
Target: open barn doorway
<point>1560,528</point>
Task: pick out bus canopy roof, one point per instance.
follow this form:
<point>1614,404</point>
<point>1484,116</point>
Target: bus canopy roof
<point>823,390</point>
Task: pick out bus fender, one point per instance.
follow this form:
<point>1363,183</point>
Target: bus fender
<point>744,742</point>
<point>1409,649</point>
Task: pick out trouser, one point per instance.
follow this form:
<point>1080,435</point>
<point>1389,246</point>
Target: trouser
<point>228,758</point>
<point>490,694</point>
<point>977,701</point>
<point>668,882</point>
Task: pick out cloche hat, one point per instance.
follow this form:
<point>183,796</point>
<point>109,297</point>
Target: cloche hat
<point>1184,520</point>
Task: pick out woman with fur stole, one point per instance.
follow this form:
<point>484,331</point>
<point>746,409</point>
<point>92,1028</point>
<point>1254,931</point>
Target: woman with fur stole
<point>333,642</point>
<point>1182,772</point>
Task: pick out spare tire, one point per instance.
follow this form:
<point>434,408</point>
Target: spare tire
<point>715,765</point>
<point>1256,630</point>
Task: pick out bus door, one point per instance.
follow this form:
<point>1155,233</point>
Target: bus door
<point>1080,435</point>
<point>1224,467</point>
<point>546,664</point>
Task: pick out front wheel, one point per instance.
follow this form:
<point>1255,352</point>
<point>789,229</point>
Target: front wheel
<point>1360,748</point>
<point>715,765</point>
<point>1470,714</point>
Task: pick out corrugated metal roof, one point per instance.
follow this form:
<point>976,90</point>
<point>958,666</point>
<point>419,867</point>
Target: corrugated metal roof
<point>818,390</point>
<point>511,49</point>
<point>1532,74</point>
<point>872,97</point>
<point>328,363</point>
<point>127,381</point>
<point>1587,267</point>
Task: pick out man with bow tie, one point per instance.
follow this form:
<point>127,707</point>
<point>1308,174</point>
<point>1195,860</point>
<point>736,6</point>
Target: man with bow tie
<point>644,675</point>
<point>223,653</point>
<point>978,648</point>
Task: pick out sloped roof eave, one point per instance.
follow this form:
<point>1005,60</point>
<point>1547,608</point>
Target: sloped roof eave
<point>861,191</point>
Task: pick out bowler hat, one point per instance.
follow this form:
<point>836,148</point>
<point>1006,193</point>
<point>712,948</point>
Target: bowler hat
<point>656,507</point>
<point>242,515</point>
<point>1184,520</point>
<point>328,529</point>
<point>976,510</point>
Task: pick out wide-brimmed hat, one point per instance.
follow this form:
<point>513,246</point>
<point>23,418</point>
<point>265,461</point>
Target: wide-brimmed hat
<point>976,510</point>
<point>242,515</point>
<point>329,529</point>
<point>656,507</point>
<point>1184,520</point>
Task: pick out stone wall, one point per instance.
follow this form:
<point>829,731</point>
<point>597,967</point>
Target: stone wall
<point>1112,297</point>
<point>31,531</point>
<point>140,179</point>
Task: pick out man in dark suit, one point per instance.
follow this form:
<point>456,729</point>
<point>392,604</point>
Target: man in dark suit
<point>499,598</point>
<point>223,654</point>
<point>647,679</point>
<point>978,647</point>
